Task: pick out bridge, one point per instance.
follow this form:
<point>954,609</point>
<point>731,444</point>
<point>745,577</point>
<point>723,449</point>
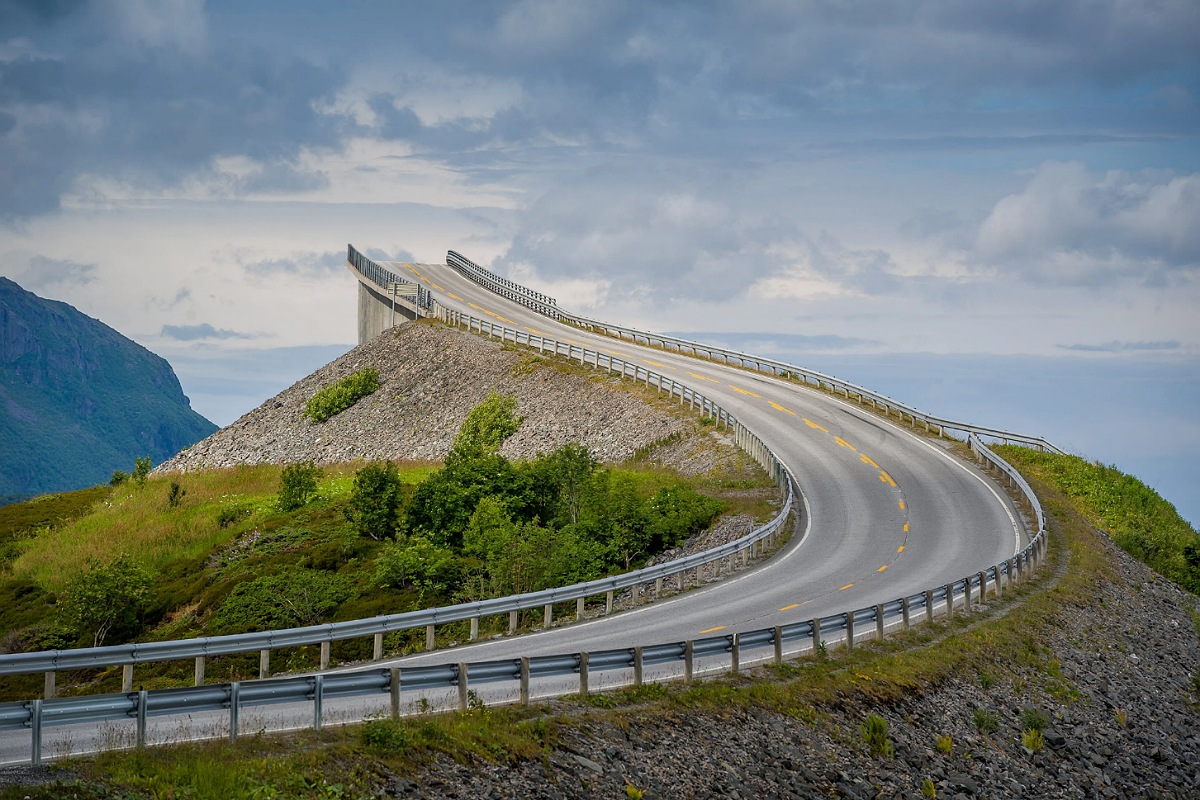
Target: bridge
<point>884,527</point>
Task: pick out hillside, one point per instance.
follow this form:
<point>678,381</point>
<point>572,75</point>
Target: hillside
<point>79,400</point>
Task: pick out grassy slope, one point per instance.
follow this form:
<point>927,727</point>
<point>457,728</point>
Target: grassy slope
<point>356,762</point>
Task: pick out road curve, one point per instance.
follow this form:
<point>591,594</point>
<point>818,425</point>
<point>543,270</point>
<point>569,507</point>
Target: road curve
<point>888,513</point>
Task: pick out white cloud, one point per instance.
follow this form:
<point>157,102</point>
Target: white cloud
<point>177,24</point>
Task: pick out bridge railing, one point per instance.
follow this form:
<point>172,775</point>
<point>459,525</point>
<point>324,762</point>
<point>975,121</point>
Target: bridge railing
<point>534,300</point>
<point>382,277</point>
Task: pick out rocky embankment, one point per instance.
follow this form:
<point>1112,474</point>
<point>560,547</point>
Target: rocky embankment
<point>1122,722</point>
<point>430,377</point>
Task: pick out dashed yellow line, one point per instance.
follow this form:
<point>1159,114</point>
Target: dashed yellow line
<point>789,608</point>
<point>843,443</point>
<point>703,378</point>
<point>901,505</point>
<point>534,330</point>
<point>453,296</point>
<point>844,588</point>
<point>900,549</point>
<point>866,459</point>
<point>710,630</point>
<point>651,363</point>
<point>778,407</point>
<point>881,569</point>
<point>435,286</point>
<point>906,527</point>
<point>477,308</point>
<point>744,391</point>
<point>883,476</point>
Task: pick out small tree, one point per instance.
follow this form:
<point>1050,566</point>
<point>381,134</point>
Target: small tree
<point>105,598</point>
<point>374,505</point>
<point>297,484</point>
<point>140,470</point>
<point>175,495</point>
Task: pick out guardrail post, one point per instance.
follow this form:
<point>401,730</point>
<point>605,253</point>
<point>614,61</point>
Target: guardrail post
<point>637,665</point>
<point>967,595</point>
<point>377,647</point>
<point>579,605</point>
<point>127,678</point>
<point>325,655</point>
<point>48,692</point>
<point>430,644</point>
<point>264,664</point>
<point>608,602</point>
<point>394,691</point>
<point>816,636</point>
<point>512,621</point>
<point>879,623</point>
<point>687,661</point>
<point>140,725</point>
<point>735,654</point>
<point>199,671</point>
<point>474,628</point>
<point>658,587</point>
<point>524,680</point>
<point>548,616</point>
<point>929,605</point>
<point>777,640</point>
<point>949,601</point>
<point>849,631</point>
<point>634,594</point>
<point>234,690</point>
<point>905,613</point>
<point>583,674</point>
<point>318,700</point>
<point>35,733</point>
<point>982,587</point>
<point>462,686</point>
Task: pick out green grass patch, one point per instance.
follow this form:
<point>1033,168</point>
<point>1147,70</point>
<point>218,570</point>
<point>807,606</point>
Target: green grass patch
<point>337,397</point>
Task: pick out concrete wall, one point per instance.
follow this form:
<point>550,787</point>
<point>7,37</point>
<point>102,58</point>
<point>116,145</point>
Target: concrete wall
<point>375,311</point>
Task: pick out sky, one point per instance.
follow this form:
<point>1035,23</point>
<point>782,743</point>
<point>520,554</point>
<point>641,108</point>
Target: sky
<point>964,201</point>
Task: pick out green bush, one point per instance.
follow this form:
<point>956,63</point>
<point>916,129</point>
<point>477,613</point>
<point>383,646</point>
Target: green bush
<point>297,483</point>
<point>374,505</point>
<point>141,469</point>
<point>875,733</point>
<point>287,599</point>
<point>337,397</point>
<point>418,563</point>
<point>383,735</point>
<point>104,599</point>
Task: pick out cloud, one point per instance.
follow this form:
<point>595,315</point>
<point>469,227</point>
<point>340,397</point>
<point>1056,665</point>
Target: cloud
<point>191,333</point>
<point>42,273</point>
<point>1069,225</point>
<point>295,264</point>
<point>1123,347</point>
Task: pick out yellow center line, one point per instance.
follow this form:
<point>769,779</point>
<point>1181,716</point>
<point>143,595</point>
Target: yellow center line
<point>881,569</point>
<point>844,588</point>
<point>883,476</point>
<point>744,391</point>
<point>844,443</point>
<point>789,608</point>
<point>413,270</point>
<point>900,549</point>
<point>866,459</point>
<point>703,378</point>
<point>901,505</point>
<point>710,630</point>
<point>477,308</point>
<point>572,341</point>
<point>812,424</point>
<point>453,296</point>
<point>778,407</point>
<point>434,285</point>
<point>534,330</point>
<point>651,363</point>
<point>618,353</point>
<point>906,527</point>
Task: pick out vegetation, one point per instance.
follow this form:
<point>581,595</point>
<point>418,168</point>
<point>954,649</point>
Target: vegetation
<point>104,598</point>
<point>337,397</point>
<point>297,483</point>
<point>874,731</point>
<point>1137,518</point>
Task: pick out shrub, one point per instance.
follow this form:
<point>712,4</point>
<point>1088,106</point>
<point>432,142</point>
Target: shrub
<point>297,483</point>
<point>105,598</point>
<point>382,735</point>
<point>374,505</point>
<point>928,789</point>
<point>1032,740</point>
<point>231,514</point>
<point>945,744</point>
<point>285,599</point>
<point>175,495</point>
<point>875,733</point>
<point>417,563</point>
<point>985,721</point>
<point>1034,718</point>
<point>140,470</point>
<point>337,397</point>
<point>118,478</point>
<point>487,425</point>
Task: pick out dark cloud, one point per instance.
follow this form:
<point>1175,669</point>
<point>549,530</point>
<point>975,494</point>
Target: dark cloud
<point>42,273</point>
<point>1123,347</point>
<point>191,333</point>
<point>299,264</point>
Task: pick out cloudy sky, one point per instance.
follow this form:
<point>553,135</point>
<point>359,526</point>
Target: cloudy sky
<point>842,181</point>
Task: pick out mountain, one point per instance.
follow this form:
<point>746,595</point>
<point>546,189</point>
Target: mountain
<point>79,400</point>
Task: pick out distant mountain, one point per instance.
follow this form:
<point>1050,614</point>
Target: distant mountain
<point>79,400</point>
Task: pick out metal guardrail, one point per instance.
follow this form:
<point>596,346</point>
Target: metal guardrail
<point>36,715</point>
<point>382,277</point>
<point>534,300</point>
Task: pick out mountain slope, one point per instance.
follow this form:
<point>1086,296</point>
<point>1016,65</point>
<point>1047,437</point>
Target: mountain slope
<point>79,400</point>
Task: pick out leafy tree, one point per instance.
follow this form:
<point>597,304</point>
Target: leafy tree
<point>441,507</point>
<point>374,505</point>
<point>118,477</point>
<point>561,479</point>
<point>297,483</point>
<point>104,599</point>
<point>676,512</point>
